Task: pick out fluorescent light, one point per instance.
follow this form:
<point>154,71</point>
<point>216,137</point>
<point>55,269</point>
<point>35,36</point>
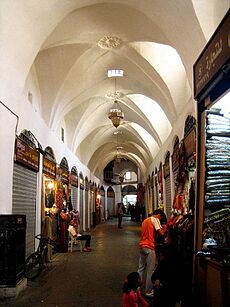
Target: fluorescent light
<point>115,73</point>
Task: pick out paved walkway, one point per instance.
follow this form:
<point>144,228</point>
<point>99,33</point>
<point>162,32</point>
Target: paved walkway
<point>87,279</point>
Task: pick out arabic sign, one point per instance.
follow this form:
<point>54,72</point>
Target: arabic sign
<point>190,143</point>
<point>64,176</point>
<point>49,168</point>
<point>82,183</point>
<point>175,157</point>
<point>74,180</point>
<point>213,57</point>
<point>26,155</point>
<point>166,169</point>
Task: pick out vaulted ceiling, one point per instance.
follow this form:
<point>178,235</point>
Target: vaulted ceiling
<point>155,42</point>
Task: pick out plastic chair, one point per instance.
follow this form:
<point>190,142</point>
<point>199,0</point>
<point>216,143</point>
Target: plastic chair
<point>73,240</point>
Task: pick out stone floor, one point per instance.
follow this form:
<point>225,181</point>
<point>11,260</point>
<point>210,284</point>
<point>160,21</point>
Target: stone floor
<point>87,279</point>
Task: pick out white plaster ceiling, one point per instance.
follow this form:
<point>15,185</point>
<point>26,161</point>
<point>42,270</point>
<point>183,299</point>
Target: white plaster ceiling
<point>160,41</point>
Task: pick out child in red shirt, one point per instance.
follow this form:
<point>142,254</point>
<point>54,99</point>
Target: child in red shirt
<point>131,294</point>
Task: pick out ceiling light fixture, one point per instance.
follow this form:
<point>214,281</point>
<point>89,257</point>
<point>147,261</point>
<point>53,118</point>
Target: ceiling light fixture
<point>118,156</point>
<point>115,113</point>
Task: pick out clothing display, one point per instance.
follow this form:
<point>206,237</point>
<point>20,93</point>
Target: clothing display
<point>217,191</point>
<point>75,216</point>
<point>181,240</point>
<point>49,199</point>
<point>217,160</point>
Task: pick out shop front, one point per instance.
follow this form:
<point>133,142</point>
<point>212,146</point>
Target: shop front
<point>152,191</point>
<point>111,202</point>
<point>149,195</point>
<point>74,189</point>
<point>26,168</point>
<point>167,181</point>
<point>49,209</point>
<point>97,205</point>
<point>160,186</point>
<point>102,205</point>
<point>62,203</point>
<point>175,163</point>
<point>92,202</point>
<point>81,201</point>
<point>211,90</point>
<point>156,194</point>
<point>87,215</point>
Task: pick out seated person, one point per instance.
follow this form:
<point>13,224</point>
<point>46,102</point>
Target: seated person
<point>131,294</point>
<point>73,229</point>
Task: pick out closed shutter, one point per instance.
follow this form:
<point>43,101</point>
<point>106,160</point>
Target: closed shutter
<point>74,194</point>
<point>168,196</point>
<point>24,201</point>
<point>111,207</point>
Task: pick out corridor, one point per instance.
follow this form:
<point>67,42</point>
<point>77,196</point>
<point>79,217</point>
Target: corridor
<point>87,279</point>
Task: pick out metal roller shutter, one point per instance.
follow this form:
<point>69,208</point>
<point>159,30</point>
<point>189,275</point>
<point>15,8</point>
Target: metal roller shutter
<point>74,193</point>
<point>24,201</point>
<point>168,196</point>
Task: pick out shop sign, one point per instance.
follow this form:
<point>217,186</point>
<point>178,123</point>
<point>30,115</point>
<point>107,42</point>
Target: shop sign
<point>26,155</point>
<point>64,176</point>
<point>190,143</point>
<point>175,157</point>
<point>81,184</point>
<point>166,169</point>
<point>49,168</point>
<point>213,57</point>
<point>74,180</point>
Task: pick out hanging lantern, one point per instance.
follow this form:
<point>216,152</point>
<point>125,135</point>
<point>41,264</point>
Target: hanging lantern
<point>115,114</point>
<point>117,158</point>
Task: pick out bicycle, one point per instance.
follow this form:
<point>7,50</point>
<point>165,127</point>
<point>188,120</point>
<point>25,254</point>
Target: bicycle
<point>35,262</point>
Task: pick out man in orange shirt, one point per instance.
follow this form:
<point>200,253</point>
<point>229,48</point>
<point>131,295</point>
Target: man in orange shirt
<point>147,259</point>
